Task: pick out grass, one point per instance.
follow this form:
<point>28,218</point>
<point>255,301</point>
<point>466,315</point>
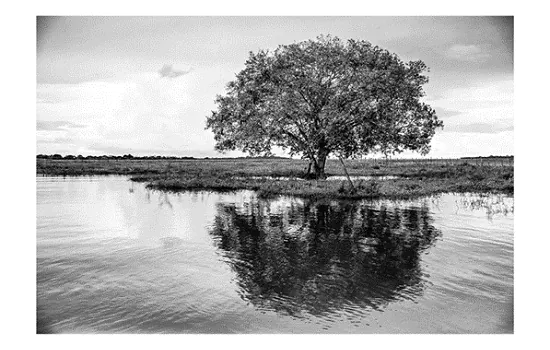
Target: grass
<point>416,178</point>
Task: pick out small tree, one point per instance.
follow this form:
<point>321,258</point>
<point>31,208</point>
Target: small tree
<point>317,98</point>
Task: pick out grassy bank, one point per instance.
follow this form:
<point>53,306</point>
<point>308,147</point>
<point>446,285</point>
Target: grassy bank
<point>416,178</point>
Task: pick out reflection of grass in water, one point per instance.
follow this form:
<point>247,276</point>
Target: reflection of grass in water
<point>164,199</point>
<point>493,204</point>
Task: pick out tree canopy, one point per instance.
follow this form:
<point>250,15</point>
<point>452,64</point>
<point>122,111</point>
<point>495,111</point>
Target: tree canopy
<point>326,96</point>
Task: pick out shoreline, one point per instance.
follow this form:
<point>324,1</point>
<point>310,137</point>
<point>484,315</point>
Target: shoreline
<point>412,179</point>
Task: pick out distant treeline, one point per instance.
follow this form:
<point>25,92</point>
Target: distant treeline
<point>126,156</point>
<point>489,157</point>
<point>129,156</point>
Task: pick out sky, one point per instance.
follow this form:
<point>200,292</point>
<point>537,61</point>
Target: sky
<point>145,85</point>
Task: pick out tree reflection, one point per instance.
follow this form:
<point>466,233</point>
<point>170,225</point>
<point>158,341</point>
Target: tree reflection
<point>320,257</point>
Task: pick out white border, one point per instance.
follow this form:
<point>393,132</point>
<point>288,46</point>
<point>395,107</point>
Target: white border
<point>531,125</point>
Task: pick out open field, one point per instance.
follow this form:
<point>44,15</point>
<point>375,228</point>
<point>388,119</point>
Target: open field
<point>414,177</point>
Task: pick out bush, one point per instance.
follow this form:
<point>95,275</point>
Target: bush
<point>371,187</point>
<point>342,188</point>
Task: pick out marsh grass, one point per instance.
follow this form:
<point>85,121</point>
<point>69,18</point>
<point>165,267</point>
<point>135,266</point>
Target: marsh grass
<point>414,178</point>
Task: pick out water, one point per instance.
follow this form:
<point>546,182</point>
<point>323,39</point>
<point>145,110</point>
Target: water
<point>114,257</point>
<point>329,178</point>
<point>359,177</point>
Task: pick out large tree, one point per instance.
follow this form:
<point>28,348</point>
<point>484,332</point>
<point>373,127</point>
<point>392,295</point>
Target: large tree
<point>325,97</point>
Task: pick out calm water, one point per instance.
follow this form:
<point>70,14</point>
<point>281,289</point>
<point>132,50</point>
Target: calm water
<point>329,178</point>
<point>113,257</point>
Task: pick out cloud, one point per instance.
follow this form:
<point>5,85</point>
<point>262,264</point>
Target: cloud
<point>469,53</point>
<point>480,128</point>
<point>56,125</point>
<point>443,113</point>
<point>167,71</point>
<point>57,140</point>
<point>137,114</point>
<point>489,102</point>
<point>462,144</point>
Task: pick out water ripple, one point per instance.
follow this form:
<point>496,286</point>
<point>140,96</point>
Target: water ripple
<point>111,260</point>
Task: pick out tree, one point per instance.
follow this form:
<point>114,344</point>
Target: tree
<point>325,97</point>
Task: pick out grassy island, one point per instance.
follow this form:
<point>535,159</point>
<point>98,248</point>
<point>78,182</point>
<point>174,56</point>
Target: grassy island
<point>398,179</point>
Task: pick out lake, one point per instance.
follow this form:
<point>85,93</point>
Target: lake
<point>115,257</point>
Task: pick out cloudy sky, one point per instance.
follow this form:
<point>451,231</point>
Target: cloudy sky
<point>144,85</point>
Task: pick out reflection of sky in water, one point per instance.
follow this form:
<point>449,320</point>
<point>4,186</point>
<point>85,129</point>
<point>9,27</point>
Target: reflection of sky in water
<point>113,211</point>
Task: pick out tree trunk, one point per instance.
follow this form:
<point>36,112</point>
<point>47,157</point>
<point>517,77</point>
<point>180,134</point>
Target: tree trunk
<point>309,168</point>
<point>319,166</point>
<point>347,175</point>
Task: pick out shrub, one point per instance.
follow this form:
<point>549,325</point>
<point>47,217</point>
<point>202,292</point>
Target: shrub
<point>371,187</point>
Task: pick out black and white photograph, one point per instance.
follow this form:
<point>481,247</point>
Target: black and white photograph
<point>274,174</point>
